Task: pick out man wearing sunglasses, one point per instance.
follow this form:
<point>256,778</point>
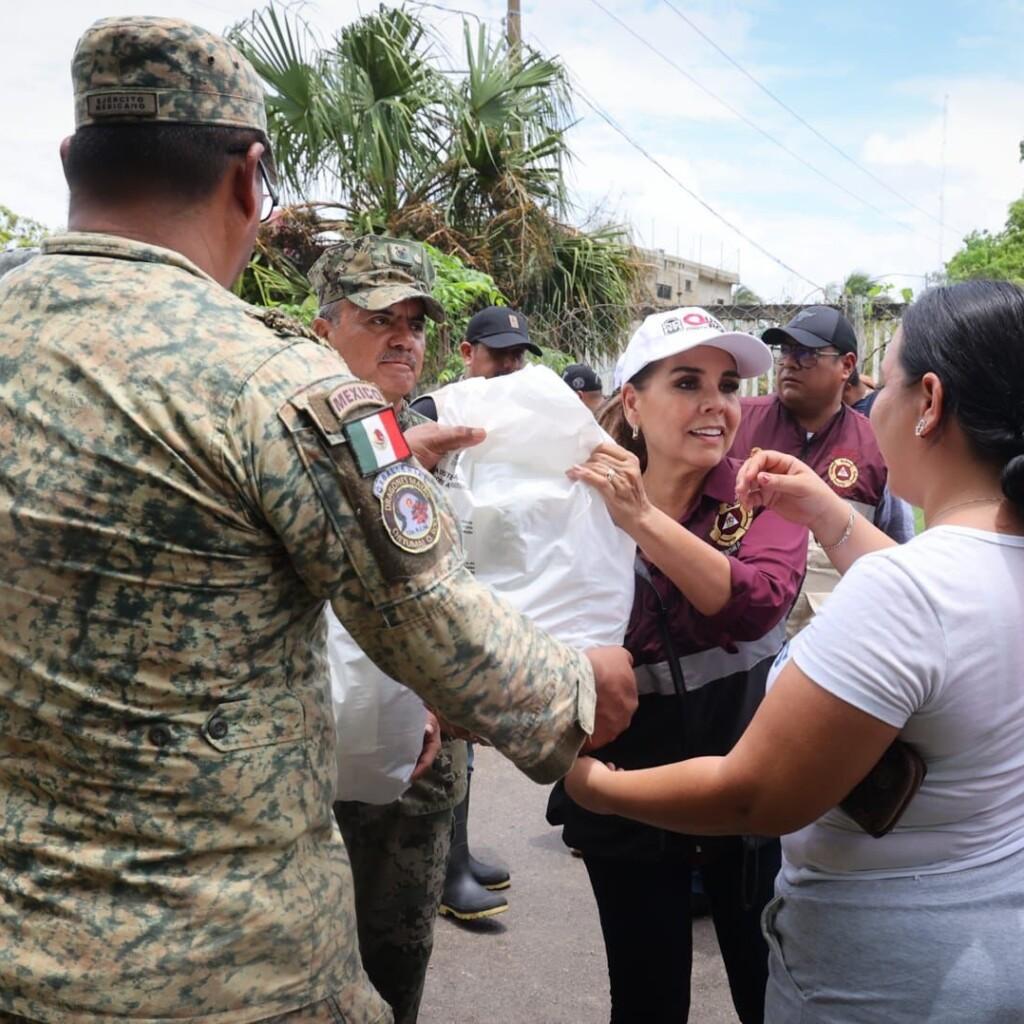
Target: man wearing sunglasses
<point>815,354</point>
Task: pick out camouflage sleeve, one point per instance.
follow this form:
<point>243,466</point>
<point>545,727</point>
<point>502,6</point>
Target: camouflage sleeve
<point>402,591</point>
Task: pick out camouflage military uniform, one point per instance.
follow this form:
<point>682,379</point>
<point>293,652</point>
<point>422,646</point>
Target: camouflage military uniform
<point>399,850</point>
<point>178,498</point>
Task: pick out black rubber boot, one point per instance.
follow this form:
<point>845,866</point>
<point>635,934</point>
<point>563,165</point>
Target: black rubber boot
<point>463,896</point>
<point>490,876</point>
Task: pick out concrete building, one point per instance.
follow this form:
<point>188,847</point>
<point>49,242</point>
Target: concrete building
<point>673,281</point>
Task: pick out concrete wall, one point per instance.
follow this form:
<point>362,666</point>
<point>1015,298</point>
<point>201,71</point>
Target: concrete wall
<point>673,281</point>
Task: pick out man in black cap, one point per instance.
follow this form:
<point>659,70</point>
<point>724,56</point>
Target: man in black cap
<point>815,354</point>
<point>586,383</point>
<point>495,345</point>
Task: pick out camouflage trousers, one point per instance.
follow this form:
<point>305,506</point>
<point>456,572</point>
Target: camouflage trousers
<point>398,868</point>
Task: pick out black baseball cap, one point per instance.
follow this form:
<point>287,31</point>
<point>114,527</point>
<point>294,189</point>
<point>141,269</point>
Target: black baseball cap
<point>500,327</point>
<point>815,327</point>
<point>581,377</point>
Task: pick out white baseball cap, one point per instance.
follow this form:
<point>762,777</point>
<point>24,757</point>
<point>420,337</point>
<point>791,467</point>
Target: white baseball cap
<point>617,372</point>
<point>678,330</point>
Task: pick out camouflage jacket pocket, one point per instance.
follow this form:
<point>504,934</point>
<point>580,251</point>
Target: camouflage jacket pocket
<point>244,724</point>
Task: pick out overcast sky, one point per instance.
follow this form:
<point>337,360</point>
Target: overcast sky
<point>874,78</point>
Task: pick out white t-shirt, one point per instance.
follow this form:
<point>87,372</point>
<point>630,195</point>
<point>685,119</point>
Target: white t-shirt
<point>928,637</point>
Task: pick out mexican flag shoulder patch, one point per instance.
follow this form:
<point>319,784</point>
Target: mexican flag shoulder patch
<point>376,441</point>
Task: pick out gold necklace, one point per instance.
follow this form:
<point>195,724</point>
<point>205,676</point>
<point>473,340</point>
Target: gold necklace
<point>962,504</point>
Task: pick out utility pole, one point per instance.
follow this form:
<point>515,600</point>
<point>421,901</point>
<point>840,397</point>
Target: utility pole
<point>514,27</point>
<point>514,39</point>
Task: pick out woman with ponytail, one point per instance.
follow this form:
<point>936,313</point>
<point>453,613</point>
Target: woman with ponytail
<point>923,642</point>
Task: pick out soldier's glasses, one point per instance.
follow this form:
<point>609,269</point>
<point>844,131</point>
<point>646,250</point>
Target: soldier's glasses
<point>805,358</point>
<point>269,196</point>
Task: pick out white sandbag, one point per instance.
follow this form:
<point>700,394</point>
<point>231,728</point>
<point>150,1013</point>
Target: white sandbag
<point>378,723</point>
<point>543,542</point>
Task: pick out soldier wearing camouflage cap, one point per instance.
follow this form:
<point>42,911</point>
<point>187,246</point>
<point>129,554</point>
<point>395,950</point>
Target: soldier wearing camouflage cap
<point>374,295</point>
<point>188,481</point>
<point>374,272</point>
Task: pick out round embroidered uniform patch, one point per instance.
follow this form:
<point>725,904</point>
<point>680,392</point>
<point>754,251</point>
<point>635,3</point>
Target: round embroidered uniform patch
<point>843,472</point>
<point>408,509</point>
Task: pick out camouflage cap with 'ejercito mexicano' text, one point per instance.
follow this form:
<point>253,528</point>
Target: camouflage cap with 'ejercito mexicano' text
<point>142,70</point>
<point>374,272</point>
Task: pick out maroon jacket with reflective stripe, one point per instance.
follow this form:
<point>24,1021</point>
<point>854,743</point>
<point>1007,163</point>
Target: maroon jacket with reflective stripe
<point>723,660</point>
<point>767,561</point>
<point>844,453</point>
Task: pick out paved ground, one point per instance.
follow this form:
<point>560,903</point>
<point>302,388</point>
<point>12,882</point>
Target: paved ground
<point>541,962</point>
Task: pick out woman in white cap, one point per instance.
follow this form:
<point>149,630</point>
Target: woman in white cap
<point>714,585</point>
<point>906,910</point>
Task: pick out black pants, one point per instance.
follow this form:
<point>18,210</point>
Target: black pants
<point>645,917</point>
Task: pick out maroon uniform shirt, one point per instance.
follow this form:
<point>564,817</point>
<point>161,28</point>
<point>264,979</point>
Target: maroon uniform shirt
<point>723,659</point>
<point>845,454</point>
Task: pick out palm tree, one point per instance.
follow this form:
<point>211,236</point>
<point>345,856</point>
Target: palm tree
<point>473,165</point>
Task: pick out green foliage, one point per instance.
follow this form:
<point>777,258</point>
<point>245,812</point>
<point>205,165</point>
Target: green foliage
<point>587,295</point>
<point>744,296</point>
<point>552,358</point>
<point>473,164</point>
<point>19,232</point>
<point>859,283</point>
<point>997,256</point>
<point>462,291</point>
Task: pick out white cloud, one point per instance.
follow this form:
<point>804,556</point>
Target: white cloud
<point>807,223</point>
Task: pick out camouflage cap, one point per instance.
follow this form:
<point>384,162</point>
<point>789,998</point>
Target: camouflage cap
<point>143,69</point>
<point>375,272</point>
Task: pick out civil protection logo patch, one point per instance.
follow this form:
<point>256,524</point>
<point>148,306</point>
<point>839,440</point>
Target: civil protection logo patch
<point>731,524</point>
<point>843,472</point>
<point>408,509</point>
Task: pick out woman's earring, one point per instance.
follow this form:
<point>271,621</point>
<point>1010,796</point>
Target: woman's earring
<point>636,431</point>
<point>919,429</point>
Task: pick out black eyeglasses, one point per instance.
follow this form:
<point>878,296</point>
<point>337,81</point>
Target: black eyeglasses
<point>269,196</point>
<point>805,358</point>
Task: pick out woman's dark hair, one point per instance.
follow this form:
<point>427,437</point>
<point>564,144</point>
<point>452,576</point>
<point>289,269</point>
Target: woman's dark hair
<point>971,336</point>
<point>612,417</point>
<point>181,162</point>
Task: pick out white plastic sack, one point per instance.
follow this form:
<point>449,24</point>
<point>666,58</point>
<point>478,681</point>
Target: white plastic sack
<point>378,723</point>
<point>544,543</point>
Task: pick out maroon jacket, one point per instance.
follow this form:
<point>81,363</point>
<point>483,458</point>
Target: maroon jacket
<point>724,659</point>
<point>844,453</point>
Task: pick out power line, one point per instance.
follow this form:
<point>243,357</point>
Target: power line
<point>789,110</point>
<point>455,10</point>
<point>616,127</point>
<point>754,125</point>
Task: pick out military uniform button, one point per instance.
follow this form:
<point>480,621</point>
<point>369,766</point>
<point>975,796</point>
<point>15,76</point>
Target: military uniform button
<point>218,729</point>
<point>159,735</point>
